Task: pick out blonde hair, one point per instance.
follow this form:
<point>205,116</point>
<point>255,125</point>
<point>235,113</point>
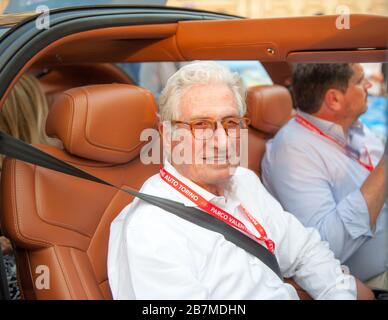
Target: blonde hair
<point>204,72</point>
<point>24,113</point>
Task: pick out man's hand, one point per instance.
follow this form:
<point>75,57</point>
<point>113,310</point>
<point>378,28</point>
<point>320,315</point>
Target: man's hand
<point>363,291</point>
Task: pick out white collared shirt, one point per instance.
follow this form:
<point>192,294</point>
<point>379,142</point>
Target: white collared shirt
<point>154,254</point>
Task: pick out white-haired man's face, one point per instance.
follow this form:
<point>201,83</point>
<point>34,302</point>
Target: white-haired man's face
<point>210,155</point>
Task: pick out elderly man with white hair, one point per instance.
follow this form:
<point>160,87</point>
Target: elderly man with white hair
<point>154,254</point>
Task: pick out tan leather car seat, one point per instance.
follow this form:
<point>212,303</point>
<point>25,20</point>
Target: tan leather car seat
<point>63,78</point>
<point>269,108</point>
<point>59,223</point>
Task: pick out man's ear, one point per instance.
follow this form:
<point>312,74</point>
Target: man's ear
<point>333,99</point>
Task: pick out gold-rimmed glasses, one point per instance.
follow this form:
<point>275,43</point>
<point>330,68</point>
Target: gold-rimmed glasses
<point>203,128</point>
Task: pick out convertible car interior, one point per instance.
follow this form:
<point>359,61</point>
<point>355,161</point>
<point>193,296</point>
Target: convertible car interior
<point>98,111</point>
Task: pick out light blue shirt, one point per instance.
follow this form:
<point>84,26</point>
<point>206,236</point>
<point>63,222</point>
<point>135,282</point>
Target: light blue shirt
<point>314,179</point>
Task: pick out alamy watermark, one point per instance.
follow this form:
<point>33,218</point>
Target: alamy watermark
<point>42,281</point>
<point>42,22</point>
<point>343,20</point>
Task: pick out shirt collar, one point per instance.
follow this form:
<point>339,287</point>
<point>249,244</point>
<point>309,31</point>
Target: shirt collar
<point>208,196</point>
<point>332,129</point>
<point>358,126</point>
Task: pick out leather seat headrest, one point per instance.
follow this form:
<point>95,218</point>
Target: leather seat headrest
<point>269,107</point>
<point>102,122</point>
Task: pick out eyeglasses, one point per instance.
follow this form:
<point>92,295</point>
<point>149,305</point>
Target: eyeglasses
<point>203,129</point>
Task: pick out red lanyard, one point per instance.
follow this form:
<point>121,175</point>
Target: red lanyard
<point>369,166</point>
<point>217,212</point>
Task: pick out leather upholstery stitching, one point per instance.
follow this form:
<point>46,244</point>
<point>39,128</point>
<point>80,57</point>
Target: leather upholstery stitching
<point>51,222</point>
<point>64,274</point>
<point>79,274</point>
<point>70,125</point>
<point>15,212</point>
<point>100,145</point>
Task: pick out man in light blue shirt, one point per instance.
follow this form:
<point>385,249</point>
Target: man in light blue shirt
<point>327,168</point>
